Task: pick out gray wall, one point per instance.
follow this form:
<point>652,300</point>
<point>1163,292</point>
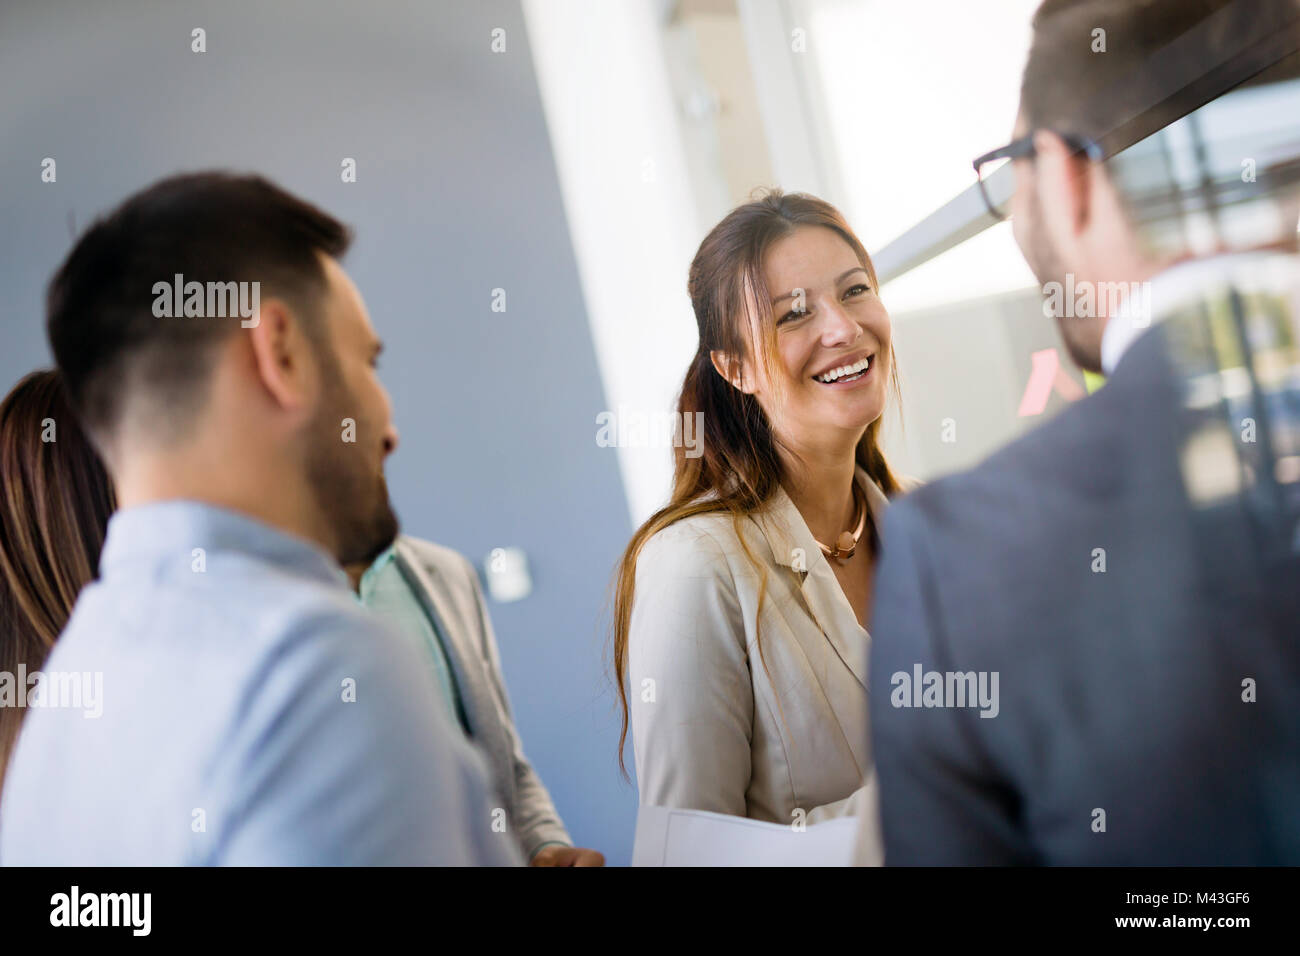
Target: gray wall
<point>456,195</point>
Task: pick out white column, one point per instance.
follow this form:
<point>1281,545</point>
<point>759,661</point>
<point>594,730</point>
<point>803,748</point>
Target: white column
<point>623,175</point>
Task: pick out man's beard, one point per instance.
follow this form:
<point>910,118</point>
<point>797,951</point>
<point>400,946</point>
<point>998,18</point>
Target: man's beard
<point>349,490</point>
<point>1082,336</point>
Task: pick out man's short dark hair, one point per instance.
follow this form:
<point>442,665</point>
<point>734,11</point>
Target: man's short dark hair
<point>1122,95</point>
<point>207,227</point>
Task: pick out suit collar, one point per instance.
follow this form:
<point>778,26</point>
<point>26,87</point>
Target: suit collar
<point>432,594</point>
<point>459,636</point>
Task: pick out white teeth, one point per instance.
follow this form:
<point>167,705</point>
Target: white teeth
<point>844,370</point>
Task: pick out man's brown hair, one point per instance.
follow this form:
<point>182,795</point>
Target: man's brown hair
<point>209,226</point>
<point>1117,71</point>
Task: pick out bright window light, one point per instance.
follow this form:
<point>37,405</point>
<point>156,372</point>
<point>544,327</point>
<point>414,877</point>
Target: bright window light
<point>913,95</point>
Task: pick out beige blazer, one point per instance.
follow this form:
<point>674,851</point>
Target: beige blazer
<point>715,729</point>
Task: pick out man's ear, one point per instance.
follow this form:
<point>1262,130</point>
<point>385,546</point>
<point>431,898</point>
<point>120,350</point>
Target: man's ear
<point>734,370</point>
<point>1064,187</point>
<point>282,357</point>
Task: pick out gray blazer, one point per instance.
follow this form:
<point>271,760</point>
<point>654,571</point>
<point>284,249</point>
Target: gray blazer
<point>448,586</point>
<point>1121,734</point>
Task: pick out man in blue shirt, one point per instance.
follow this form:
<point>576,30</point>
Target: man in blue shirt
<point>251,712</point>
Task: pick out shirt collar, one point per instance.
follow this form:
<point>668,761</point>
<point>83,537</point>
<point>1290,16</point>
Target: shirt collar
<point>1181,283</point>
<point>366,586</point>
<point>176,529</point>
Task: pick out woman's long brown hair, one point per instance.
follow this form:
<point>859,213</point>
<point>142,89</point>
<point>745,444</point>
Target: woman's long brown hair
<point>738,468</point>
<point>55,503</point>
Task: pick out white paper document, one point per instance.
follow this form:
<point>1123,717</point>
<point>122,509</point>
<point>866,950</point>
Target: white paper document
<point>669,837</point>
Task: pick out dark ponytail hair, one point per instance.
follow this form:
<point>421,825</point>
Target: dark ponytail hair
<point>55,503</point>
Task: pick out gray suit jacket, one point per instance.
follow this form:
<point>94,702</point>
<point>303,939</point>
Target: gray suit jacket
<point>1121,692</point>
<point>448,586</point>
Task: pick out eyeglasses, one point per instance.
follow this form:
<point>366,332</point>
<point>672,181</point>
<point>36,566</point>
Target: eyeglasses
<point>997,194</point>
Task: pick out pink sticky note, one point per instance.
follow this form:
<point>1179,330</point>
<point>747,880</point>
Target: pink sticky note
<point>1046,363</point>
<point>1066,387</point>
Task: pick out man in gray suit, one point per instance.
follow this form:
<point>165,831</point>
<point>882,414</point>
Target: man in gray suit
<point>1086,649</point>
<point>432,595</point>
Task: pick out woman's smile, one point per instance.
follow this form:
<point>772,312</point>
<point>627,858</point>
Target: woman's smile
<point>850,372</point>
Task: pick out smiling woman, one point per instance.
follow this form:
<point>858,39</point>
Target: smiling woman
<point>740,638</point>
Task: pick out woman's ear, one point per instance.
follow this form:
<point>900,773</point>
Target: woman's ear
<point>733,370</point>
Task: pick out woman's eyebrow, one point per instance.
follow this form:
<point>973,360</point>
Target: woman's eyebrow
<point>838,280</point>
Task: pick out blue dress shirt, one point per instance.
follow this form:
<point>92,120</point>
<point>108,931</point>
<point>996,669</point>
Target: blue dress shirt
<point>252,714</point>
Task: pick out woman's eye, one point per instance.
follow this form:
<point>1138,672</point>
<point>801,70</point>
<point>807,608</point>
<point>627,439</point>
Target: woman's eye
<point>858,289</point>
<point>791,316</point>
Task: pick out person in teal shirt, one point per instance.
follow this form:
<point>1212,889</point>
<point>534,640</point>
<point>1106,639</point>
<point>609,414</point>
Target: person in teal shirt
<point>432,595</point>
<point>383,587</point>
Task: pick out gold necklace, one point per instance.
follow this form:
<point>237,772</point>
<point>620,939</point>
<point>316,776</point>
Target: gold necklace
<point>847,543</point>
